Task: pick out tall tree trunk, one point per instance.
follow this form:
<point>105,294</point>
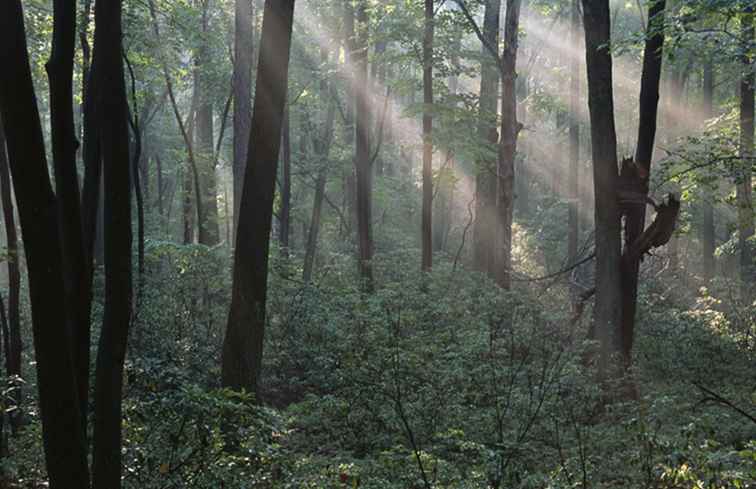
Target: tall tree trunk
<point>507,146</point>
<point>607,315</point>
<point>64,146</point>
<point>427,211</point>
<point>709,236</point>
<point>243,57</point>
<point>635,215</point>
<point>114,141</point>
<point>744,186</point>
<point>13,340</point>
<point>64,444</point>
<point>362,158</point>
<point>243,343</point>
<point>285,213</point>
<point>573,190</point>
<point>209,229</point>
<point>323,148</point>
<point>484,228</point>
<point>350,198</point>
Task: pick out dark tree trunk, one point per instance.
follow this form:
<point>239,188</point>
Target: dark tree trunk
<point>64,146</point>
<point>427,211</point>
<point>13,342</point>
<point>243,344</point>
<point>285,213</point>
<point>573,191</point>
<point>64,444</point>
<point>484,229</point>
<point>323,149</point>
<point>744,186</point>
<point>635,214</point>
<point>114,141</point>
<point>507,146</point>
<point>362,163</point>
<point>243,57</point>
<point>607,315</point>
<point>709,236</point>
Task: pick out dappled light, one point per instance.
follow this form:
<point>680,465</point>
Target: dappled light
<point>398,244</point>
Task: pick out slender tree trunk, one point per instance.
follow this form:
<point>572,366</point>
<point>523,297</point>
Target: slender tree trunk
<point>64,444</point>
<point>573,224</point>
<point>243,57</point>
<point>160,185</point>
<point>350,48</point>
<point>243,343</point>
<point>427,224</point>
<point>744,185</point>
<point>607,315</point>
<point>507,146</point>
<point>190,173</point>
<point>323,149</point>
<point>209,230</point>
<point>709,236</point>
<point>285,214</point>
<point>484,228</point>
<point>114,141</point>
<point>635,215</point>
<point>362,158</point>
<point>64,146</point>
<point>13,341</point>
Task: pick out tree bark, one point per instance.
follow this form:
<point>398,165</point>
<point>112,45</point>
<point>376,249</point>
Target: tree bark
<point>208,227</point>
<point>64,445</point>
<point>607,315</point>
<point>573,224</point>
<point>427,211</point>
<point>114,141</point>
<point>243,57</point>
<point>350,48</point>
<point>744,185</point>
<point>507,146</point>
<point>709,236</point>
<point>635,215</point>
<point>243,343</point>
<point>484,228</point>
<point>13,340</point>
<point>362,163</point>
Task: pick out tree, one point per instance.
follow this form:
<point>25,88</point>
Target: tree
<point>13,341</point>
<point>208,227</point>
<point>245,330</point>
<point>65,448</point>
<point>285,211</point>
<point>362,159</point>
<point>323,146</point>
<point>484,230</point>
<point>607,316</point>
<point>744,185</point>
<point>244,16</point>
<point>709,236</point>
<point>427,221</point>
<point>114,141</point>
<point>507,146</point>
<point>625,193</point>
<point>573,223</point>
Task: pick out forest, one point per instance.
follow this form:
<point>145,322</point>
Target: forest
<point>377,244</point>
